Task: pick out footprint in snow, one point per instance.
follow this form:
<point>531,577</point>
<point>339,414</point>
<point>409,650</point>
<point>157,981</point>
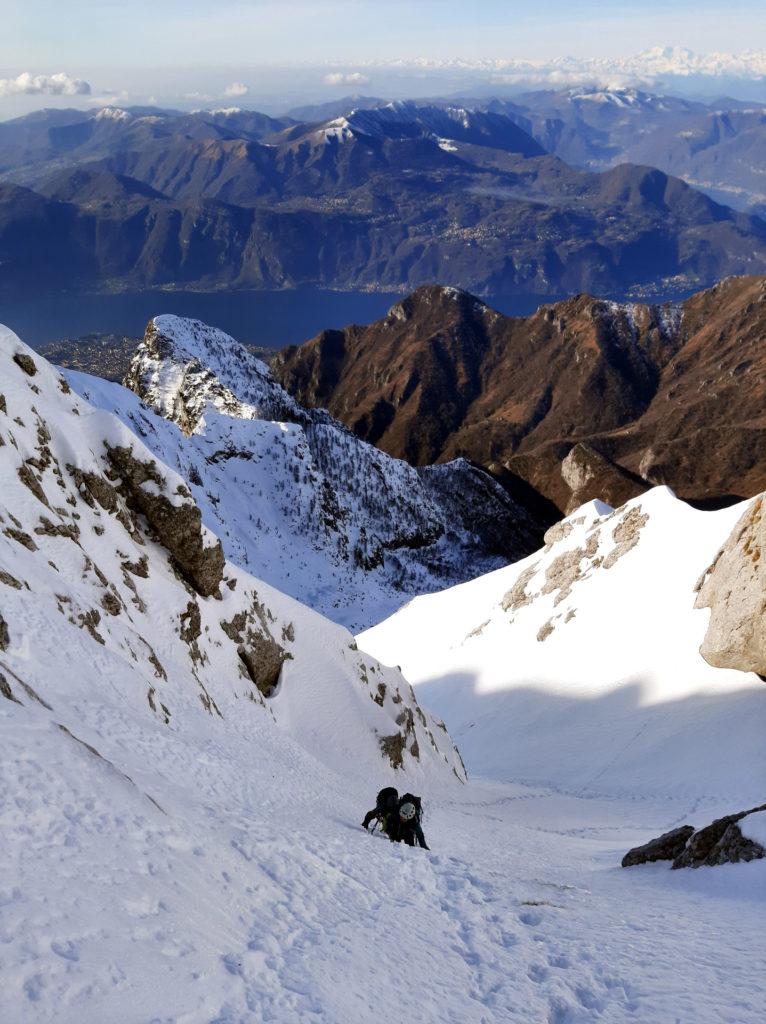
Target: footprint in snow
<point>559,961</point>
<point>588,999</point>
<point>66,950</point>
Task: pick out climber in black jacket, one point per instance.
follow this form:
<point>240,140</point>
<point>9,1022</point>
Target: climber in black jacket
<point>402,824</point>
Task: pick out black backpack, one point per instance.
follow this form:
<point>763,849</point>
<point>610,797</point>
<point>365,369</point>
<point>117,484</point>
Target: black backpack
<point>387,799</point>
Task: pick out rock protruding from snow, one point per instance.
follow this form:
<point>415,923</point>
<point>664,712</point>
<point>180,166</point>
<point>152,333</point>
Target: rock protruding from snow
<point>175,519</point>
<point>665,847</point>
<point>720,842</point>
<point>734,588</point>
<point>723,841</point>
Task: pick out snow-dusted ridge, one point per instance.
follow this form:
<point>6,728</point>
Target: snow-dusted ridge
<point>365,531</point>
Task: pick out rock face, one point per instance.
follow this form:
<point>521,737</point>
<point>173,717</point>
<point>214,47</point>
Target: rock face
<point>583,399</point>
<point>590,474</point>
<point>176,520</point>
<point>721,842</point>
<point>734,588</point>
<point>664,847</point>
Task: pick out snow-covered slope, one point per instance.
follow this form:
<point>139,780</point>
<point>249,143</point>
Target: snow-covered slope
<point>114,595</point>
<point>579,667</point>
<point>364,531</point>
<point>180,847</point>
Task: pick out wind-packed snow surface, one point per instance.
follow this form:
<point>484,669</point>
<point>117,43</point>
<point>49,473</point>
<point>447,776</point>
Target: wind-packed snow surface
<point>365,531</point>
<point>181,839</point>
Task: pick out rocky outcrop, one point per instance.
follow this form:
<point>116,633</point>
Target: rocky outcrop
<point>734,588</point>
<point>262,657</point>
<point>26,363</point>
<point>665,847</point>
<point>734,847</point>
<point>176,520</point>
<point>720,842</point>
<point>589,475</point>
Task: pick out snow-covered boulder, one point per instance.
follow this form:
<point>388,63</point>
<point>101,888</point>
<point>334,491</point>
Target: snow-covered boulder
<point>579,667</point>
<point>365,531</point>
<point>734,588</point>
<point>115,594</point>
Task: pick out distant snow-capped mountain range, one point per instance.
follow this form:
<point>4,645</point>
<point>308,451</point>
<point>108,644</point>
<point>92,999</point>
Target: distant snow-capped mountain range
<point>677,61</point>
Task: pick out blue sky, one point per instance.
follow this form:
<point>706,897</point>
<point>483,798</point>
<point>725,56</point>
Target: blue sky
<point>41,34</point>
<point>187,51</point>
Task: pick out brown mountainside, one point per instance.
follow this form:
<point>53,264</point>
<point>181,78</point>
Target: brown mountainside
<point>585,398</point>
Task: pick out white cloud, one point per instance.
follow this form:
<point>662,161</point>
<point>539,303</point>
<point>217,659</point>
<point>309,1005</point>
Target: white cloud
<point>60,84</point>
<point>347,78</point>
<point>236,89</point>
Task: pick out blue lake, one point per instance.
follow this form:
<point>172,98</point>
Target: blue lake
<point>272,319</point>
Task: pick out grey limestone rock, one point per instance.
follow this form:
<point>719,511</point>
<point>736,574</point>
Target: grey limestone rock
<point>734,588</point>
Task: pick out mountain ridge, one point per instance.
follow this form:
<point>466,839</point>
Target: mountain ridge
<point>366,531</point>
<point>379,199</point>
<point>612,396</point>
